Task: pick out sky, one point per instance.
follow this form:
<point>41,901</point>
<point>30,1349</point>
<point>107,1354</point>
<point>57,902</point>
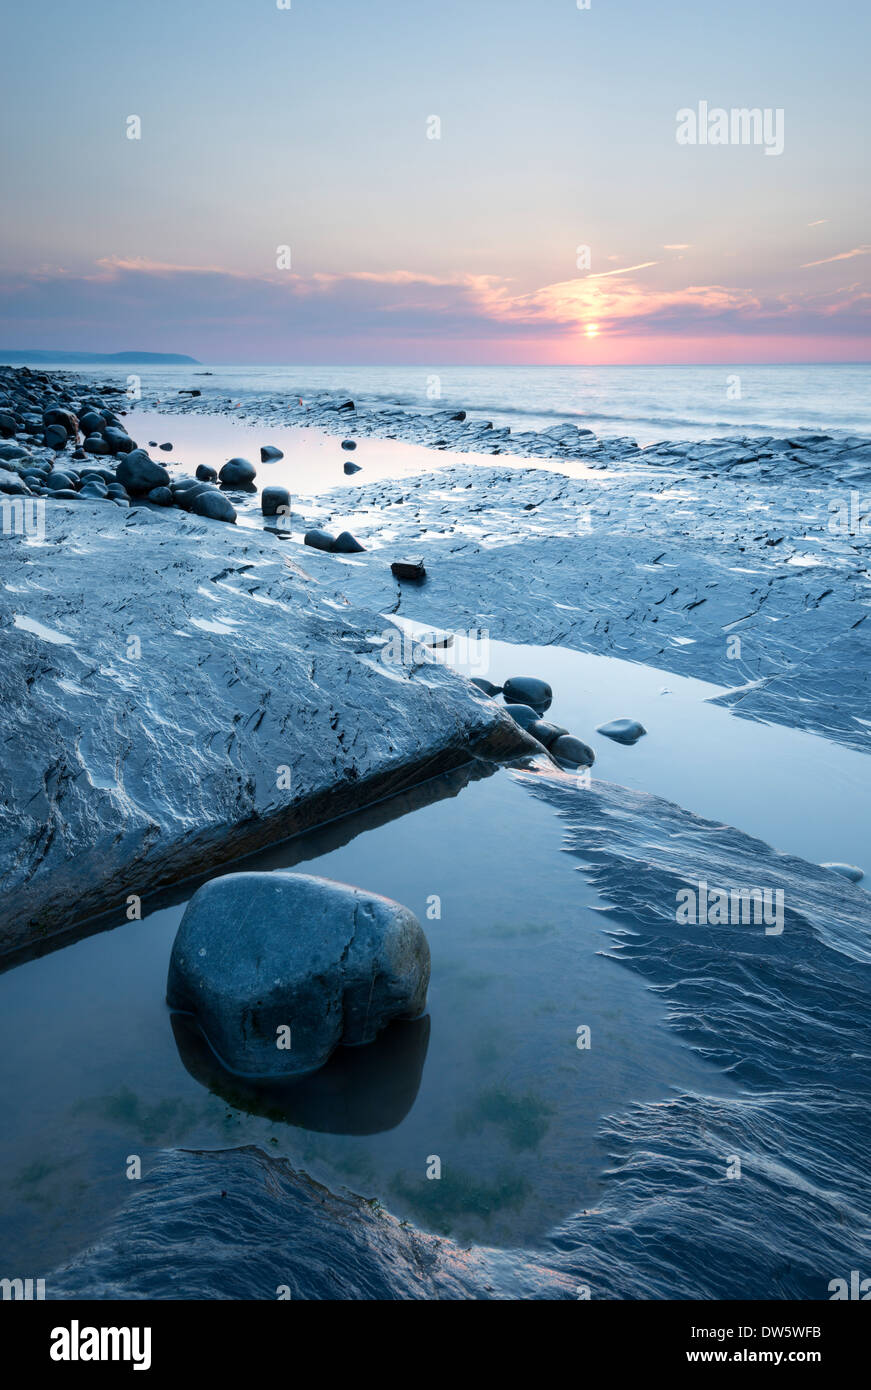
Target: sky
<point>308,128</point>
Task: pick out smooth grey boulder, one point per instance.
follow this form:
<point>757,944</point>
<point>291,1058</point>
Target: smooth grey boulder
<point>213,504</point>
<point>572,750</point>
<point>349,444</point>
<point>55,437</point>
<point>96,444</point>
<point>11,483</point>
<point>57,416</point>
<point>266,959</point>
<point>524,715</point>
<point>346,544</point>
<point>319,540</point>
<point>486,686</point>
<point>206,474</point>
<point>167,448</point>
<point>527,690</point>
<point>545,732</point>
<point>161,497</point>
<point>849,871</point>
<point>92,423</point>
<point>13,451</point>
<point>119,440</point>
<point>622,730</point>
<point>237,473</point>
<point>350,468</point>
<point>57,479</point>
<point>270,454</point>
<point>185,493</point>
<point>139,474</point>
<point>274,498</point>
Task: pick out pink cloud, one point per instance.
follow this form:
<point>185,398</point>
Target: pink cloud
<point>403,314</point>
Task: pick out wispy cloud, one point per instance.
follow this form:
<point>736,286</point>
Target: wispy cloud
<point>841,256</point>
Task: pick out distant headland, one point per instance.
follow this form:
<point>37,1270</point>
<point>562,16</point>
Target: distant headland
<point>58,356</point>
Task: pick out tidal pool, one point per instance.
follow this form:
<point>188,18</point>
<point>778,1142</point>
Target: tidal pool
<point>94,1071</point>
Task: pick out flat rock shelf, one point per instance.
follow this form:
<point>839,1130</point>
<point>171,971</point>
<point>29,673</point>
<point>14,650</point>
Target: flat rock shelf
<point>174,694</point>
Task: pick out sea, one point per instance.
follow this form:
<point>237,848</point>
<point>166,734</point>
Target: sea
<point>647,403</point>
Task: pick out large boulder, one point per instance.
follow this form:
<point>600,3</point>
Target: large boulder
<point>237,473</point>
<point>211,503</point>
<point>279,969</point>
<point>140,475</point>
<point>273,500</point>
<point>527,690</point>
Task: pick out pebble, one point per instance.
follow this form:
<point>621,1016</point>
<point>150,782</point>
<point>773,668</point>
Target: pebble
<point>622,730</point>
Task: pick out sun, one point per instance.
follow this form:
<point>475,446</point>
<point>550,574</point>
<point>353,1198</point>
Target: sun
<point>592,330</point>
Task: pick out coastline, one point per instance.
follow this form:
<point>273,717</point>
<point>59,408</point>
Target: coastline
<point>260,651</point>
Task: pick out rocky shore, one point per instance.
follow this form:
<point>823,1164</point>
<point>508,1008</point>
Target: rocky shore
<point>176,693</point>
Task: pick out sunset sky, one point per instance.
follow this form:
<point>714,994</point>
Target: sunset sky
<point>307,127</point>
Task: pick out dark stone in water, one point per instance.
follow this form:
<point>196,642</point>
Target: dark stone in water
<point>349,444</point>
<point>237,472</point>
<point>257,953</point>
<point>487,686</point>
<point>270,454</point>
<point>527,690</point>
<point>139,474</point>
<point>622,730</point>
<point>409,569</point>
<point>524,715</point>
<point>161,497</point>
<point>166,447</point>
<point>271,498</point>
<point>352,468</point>
<point>360,1090</point>
<point>546,733</point>
<point>206,474</point>
<point>572,750</point>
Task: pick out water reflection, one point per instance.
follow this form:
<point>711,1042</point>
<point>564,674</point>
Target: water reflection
<point>360,1090</point>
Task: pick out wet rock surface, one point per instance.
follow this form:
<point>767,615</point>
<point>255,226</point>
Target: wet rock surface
<point>238,1224</point>
<point>196,696</point>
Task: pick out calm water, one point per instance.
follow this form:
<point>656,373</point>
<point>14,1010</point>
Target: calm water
<point>648,403</point>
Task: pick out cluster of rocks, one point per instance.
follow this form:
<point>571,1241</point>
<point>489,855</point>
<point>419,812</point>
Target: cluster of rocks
<point>528,700</point>
<point>59,442</point>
